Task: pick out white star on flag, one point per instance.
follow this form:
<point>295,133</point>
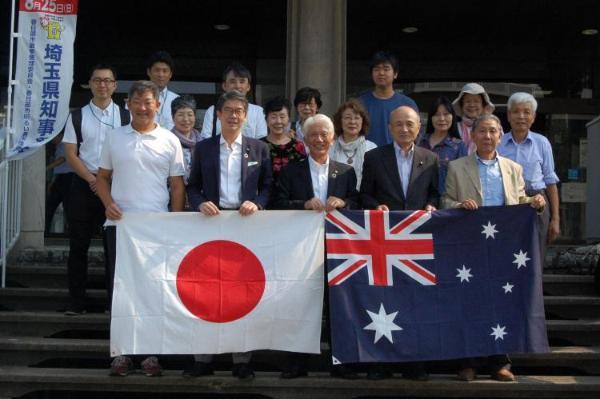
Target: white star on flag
<point>498,332</point>
<point>508,288</point>
<point>521,259</point>
<point>464,274</point>
<point>383,324</point>
<point>489,230</point>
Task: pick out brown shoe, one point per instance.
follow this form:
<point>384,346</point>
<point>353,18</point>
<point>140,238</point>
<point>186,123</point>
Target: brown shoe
<point>504,375</point>
<point>466,374</point>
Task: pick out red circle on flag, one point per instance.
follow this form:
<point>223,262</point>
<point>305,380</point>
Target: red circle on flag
<point>220,281</point>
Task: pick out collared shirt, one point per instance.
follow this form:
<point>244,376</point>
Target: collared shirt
<point>491,181</point>
<point>447,150</point>
<point>230,187</point>
<point>298,129</point>
<point>63,167</point>
<point>255,125</point>
<point>163,117</point>
<point>534,154</point>
<point>319,175</point>
<point>141,163</point>
<point>404,162</point>
<point>95,123</point>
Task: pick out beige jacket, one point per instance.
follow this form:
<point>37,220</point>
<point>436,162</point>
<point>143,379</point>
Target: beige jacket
<point>463,182</point>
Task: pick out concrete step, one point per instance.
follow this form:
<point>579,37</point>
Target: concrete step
<point>47,299</point>
<point>16,381</point>
<point>86,353</point>
<point>47,275</point>
<point>569,284</point>
<point>58,254</point>
<point>95,325</point>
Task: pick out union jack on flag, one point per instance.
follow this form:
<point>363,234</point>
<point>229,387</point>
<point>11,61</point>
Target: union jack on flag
<point>379,245</point>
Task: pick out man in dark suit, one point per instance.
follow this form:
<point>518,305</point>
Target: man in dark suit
<point>317,183</point>
<point>229,172</point>
<point>400,176</point>
<point>320,184</point>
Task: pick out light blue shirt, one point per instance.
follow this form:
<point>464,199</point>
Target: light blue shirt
<point>534,154</point>
<point>491,182</point>
<point>404,162</point>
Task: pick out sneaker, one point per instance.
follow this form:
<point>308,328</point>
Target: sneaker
<point>151,367</point>
<point>121,366</point>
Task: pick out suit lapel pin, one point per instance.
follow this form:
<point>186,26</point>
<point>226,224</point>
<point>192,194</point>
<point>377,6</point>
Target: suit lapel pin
<point>246,155</point>
<point>334,174</point>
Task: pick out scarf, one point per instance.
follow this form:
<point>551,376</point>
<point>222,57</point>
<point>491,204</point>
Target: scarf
<point>186,142</point>
<point>355,150</point>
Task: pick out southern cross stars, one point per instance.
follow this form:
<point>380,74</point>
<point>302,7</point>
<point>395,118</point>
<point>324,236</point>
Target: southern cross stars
<point>464,274</point>
<point>383,324</point>
<point>508,288</point>
<point>521,259</point>
<point>498,332</point>
<point>489,230</point>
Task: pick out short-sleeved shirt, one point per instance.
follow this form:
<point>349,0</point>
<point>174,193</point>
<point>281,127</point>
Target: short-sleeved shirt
<point>534,154</point>
<point>140,165</point>
<point>95,124</point>
<point>379,114</point>
<point>164,117</point>
<point>63,167</point>
<point>255,125</point>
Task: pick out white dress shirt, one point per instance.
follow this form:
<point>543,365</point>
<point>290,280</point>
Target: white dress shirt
<point>230,187</point>
<point>319,174</point>
<point>404,161</point>
<point>95,123</point>
<point>255,125</point>
<point>163,116</point>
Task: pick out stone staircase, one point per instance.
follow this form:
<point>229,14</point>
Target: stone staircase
<point>44,354</point>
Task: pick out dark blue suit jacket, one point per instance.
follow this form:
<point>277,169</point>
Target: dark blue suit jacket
<point>204,181</point>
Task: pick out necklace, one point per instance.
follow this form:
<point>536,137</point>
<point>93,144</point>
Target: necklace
<point>350,155</point>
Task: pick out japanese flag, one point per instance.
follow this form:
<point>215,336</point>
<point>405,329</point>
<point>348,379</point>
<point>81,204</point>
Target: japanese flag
<point>190,284</point>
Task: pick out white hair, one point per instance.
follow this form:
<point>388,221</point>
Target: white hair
<point>520,98</point>
<point>319,118</point>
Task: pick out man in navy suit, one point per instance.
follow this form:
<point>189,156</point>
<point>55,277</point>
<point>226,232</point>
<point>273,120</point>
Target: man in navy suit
<point>229,172</point>
<point>400,176</point>
<point>317,183</point>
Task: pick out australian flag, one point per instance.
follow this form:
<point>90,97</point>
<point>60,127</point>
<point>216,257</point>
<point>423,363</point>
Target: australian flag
<point>415,285</point>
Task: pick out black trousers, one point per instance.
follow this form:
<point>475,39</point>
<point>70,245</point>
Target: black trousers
<point>58,192</point>
<point>86,216</point>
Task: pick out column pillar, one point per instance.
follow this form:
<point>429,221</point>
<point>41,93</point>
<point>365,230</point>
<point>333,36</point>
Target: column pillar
<point>316,49</point>
<point>33,202</point>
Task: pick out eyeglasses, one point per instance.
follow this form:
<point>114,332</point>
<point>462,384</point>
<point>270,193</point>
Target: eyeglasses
<point>106,81</point>
<point>234,111</point>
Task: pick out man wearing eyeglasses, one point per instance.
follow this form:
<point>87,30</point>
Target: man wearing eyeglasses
<point>229,172</point>
<point>85,131</point>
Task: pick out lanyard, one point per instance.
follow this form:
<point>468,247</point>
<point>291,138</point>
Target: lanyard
<point>100,120</point>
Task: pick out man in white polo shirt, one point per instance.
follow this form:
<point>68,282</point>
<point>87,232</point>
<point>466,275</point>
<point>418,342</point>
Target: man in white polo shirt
<point>85,131</point>
<point>136,164</point>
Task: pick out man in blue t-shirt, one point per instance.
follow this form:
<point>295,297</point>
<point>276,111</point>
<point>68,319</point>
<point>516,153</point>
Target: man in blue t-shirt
<point>383,100</point>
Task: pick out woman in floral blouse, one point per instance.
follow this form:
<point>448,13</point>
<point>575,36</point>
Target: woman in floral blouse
<point>282,146</point>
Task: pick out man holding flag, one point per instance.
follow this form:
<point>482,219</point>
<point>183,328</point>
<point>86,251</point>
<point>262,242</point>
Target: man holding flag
<point>486,179</point>
<point>136,163</point>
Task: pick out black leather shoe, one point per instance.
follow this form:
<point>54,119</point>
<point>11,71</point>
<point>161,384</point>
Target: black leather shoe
<point>242,371</point>
<point>378,373</point>
<point>417,375</point>
<point>345,372</point>
<point>294,371</point>
<point>198,370</point>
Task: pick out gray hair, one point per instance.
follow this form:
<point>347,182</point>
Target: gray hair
<point>319,118</point>
<point>520,98</point>
<point>487,117</point>
<point>141,86</point>
<point>185,101</point>
<point>232,95</point>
